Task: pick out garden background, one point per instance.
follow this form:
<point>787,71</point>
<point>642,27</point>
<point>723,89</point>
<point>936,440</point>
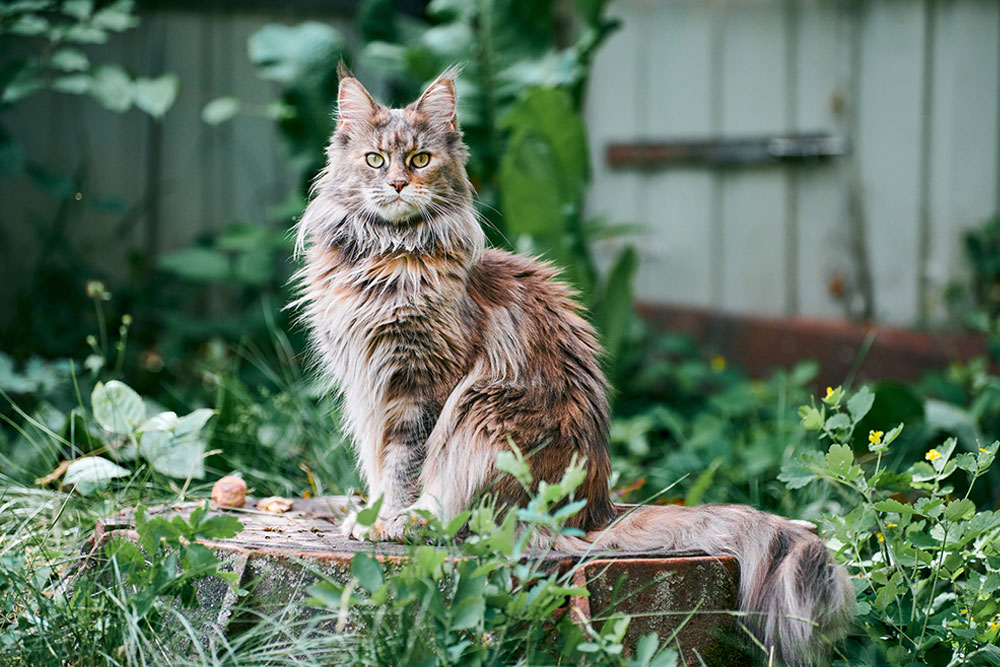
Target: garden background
<point>834,159</point>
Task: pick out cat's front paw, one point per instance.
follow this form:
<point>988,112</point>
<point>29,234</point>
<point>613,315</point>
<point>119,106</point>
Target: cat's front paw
<point>405,523</point>
<point>356,531</point>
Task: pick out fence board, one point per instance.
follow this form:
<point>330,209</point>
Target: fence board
<point>753,212</point>
<point>822,243</point>
<point>676,203</point>
<point>888,150</point>
<point>963,176</point>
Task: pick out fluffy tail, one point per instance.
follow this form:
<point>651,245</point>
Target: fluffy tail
<point>796,599</point>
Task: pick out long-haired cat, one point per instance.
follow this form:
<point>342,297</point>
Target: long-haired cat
<point>443,349</point>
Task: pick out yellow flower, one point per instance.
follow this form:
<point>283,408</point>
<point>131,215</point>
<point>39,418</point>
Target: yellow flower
<point>718,363</point>
<point>994,626</point>
<point>875,437</point>
<point>984,451</point>
<point>932,455</point>
<point>829,392</point>
<point>880,536</point>
<point>890,525</point>
<point>964,612</point>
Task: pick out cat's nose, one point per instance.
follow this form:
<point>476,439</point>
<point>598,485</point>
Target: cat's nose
<point>399,184</point>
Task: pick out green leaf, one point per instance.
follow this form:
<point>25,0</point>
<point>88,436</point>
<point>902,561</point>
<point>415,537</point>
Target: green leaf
<point>197,264</point>
<point>156,96</point>
<point>116,17</point>
<point>885,595</point>
<point>89,474</point>
<point>285,53</point>
<point>860,403</point>
<point>74,84</point>
<point>113,88</point>
<point>890,505</point>
<point>613,311</point>
<point>218,527</point>
<point>69,60</point>
<point>78,9</point>
<point>840,458</point>
<point>220,110</point>
<point>173,445</point>
<point>325,594</point>
<point>369,515</point>
<point>171,456</point>
<point>544,170</point>
<point>117,407</point>
<point>838,421</point>
<point>83,33</point>
<point>812,419</point>
<point>967,462</point>
<point>959,510</point>
<point>368,571</point>
<point>795,475</point>
<point>921,471</point>
<point>28,25</point>
<point>892,481</point>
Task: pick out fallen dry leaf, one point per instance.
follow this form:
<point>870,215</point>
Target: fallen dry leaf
<point>54,475</point>
<point>274,505</point>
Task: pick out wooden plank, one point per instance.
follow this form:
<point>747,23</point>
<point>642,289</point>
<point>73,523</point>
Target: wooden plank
<point>676,265</point>
<point>613,111</point>
<point>823,247</point>
<point>183,187</point>
<point>752,206</point>
<point>888,151</point>
<point>964,139</point>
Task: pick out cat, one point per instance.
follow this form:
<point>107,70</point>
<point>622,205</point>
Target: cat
<point>443,349</point>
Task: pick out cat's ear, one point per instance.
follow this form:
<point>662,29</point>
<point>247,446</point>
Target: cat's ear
<point>354,103</point>
<point>438,101</point>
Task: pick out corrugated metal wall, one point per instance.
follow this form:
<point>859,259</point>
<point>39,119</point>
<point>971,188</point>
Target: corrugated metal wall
<point>914,85</point>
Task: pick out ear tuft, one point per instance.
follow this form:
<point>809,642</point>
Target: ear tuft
<point>354,103</point>
<point>439,101</point>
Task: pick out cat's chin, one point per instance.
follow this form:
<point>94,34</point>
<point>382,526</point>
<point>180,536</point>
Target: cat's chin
<point>399,213</point>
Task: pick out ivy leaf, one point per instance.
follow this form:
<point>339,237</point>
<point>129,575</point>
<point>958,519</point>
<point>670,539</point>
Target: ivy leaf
<point>156,96</point>
<point>74,84</point>
<point>69,60</point>
<point>117,407</point>
<point>29,25</point>
<point>113,88</point>
<point>839,458</point>
<point>220,110</point>
<point>860,403</point>
<point>89,474</point>
<point>78,9</point>
<point>116,17</point>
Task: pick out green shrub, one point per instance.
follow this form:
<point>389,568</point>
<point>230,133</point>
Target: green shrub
<point>924,559</point>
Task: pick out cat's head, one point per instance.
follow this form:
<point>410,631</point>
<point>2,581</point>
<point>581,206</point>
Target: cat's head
<point>402,165</point>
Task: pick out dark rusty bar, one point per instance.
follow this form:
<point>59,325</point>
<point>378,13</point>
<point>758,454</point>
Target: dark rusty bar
<point>727,152</point>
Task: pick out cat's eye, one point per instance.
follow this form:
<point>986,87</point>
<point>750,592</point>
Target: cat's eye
<point>374,160</point>
<point>420,160</point>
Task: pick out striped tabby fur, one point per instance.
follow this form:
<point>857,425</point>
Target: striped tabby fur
<point>442,348</point>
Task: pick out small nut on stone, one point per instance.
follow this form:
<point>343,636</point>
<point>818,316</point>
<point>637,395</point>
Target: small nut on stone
<point>274,505</point>
<point>230,491</point>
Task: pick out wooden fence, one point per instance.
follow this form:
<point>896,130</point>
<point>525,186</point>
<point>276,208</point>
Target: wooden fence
<point>913,86</point>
